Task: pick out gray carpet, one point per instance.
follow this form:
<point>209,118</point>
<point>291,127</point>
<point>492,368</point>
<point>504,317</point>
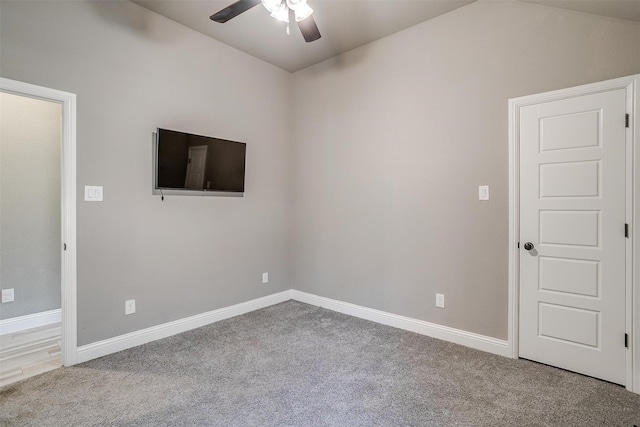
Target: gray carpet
<point>294,364</point>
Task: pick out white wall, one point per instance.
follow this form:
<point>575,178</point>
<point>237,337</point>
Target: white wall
<point>134,71</point>
<point>29,204</point>
<point>393,139</point>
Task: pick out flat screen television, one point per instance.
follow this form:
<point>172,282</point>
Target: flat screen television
<point>187,163</point>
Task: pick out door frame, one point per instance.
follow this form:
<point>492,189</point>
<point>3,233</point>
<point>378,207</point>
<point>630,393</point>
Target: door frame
<point>632,287</point>
<point>68,207</point>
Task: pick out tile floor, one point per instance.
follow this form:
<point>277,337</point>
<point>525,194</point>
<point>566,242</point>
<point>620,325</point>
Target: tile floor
<point>31,352</point>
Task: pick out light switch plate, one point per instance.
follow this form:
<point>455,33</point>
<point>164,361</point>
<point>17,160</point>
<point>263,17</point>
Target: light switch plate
<point>483,192</point>
<point>92,193</point>
<point>7,295</point>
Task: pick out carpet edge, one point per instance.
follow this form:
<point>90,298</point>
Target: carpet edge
<point>143,336</point>
<point>433,330</point>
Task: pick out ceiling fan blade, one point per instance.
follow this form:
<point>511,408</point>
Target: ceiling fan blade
<point>234,10</point>
<point>309,29</point>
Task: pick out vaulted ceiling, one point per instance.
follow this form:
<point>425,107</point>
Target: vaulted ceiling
<point>344,24</point>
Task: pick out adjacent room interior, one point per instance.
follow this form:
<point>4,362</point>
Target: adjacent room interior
<point>376,184</point>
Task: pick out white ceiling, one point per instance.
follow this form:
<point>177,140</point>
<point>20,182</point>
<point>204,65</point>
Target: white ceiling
<point>344,24</point>
<point>620,9</point>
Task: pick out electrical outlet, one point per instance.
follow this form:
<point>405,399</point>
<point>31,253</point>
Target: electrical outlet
<point>440,300</point>
<point>130,306</point>
<point>7,295</point>
<point>265,277</point>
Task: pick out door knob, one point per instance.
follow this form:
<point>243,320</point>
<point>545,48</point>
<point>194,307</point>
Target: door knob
<point>528,246</point>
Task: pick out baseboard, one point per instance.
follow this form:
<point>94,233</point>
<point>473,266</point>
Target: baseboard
<point>457,336</point>
<point>35,320</point>
<point>134,339</point>
<point>143,336</point>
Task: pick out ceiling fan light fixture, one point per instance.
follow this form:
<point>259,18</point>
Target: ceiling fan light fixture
<point>303,12</point>
<point>271,5</point>
<point>295,4</point>
<point>281,13</point>
<point>283,10</point>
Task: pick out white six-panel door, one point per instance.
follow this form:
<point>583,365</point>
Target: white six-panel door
<point>572,234</point>
<point>195,168</point>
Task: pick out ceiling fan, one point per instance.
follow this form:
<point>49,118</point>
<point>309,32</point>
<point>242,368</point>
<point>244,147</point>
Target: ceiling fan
<point>282,10</point>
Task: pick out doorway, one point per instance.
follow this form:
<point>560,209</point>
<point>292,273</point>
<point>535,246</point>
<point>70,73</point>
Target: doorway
<point>196,165</point>
<point>66,202</point>
<point>572,211</point>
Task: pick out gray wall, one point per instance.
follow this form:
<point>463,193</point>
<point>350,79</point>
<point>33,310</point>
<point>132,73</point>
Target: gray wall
<point>133,71</point>
<point>29,204</point>
<point>393,139</point>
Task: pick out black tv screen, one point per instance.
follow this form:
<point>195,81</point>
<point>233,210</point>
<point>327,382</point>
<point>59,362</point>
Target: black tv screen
<point>199,163</point>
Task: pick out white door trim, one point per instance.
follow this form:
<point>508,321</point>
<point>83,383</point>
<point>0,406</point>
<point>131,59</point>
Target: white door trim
<point>68,186</point>
<point>632,85</point>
